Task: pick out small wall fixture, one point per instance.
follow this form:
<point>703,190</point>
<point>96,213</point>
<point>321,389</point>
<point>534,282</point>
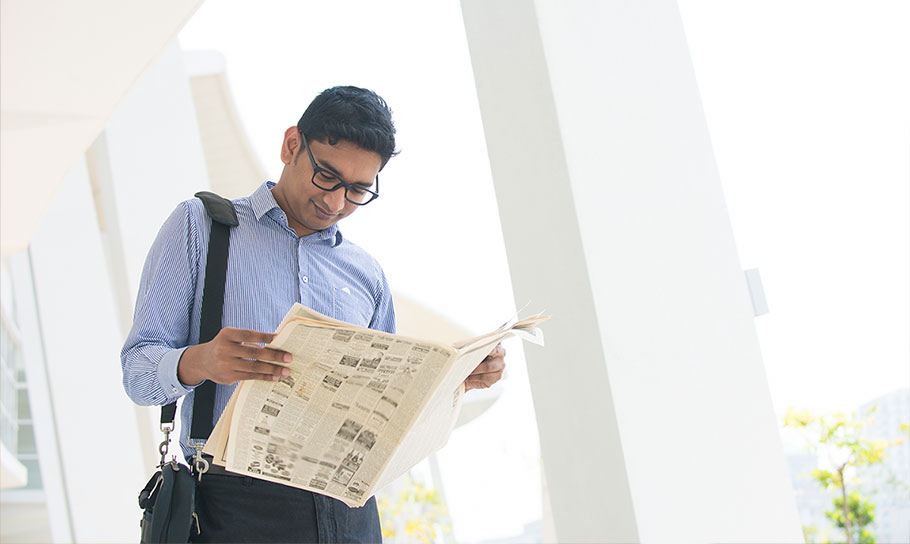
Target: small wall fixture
<point>756,292</point>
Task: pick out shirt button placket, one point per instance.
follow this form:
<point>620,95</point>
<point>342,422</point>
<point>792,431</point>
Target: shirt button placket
<point>305,294</point>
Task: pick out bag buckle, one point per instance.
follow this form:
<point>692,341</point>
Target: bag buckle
<point>200,463</point>
<point>166,428</point>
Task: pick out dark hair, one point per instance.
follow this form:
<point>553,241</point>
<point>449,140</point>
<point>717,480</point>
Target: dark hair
<point>357,115</point>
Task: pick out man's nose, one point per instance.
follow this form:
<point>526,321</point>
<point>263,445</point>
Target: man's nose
<point>335,200</point>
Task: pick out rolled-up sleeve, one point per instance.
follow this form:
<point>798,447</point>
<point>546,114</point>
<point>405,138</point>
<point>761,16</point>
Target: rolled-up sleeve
<point>164,306</point>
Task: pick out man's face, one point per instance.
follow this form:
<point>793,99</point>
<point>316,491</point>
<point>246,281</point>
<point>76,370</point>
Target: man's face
<point>310,209</point>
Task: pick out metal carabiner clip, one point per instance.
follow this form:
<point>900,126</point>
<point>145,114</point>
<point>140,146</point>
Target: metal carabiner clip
<point>166,428</point>
<point>200,463</point>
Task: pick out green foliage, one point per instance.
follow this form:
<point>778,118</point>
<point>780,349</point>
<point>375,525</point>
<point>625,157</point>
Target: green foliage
<point>826,478</point>
<point>860,512</point>
<point>809,532</point>
<point>839,433</point>
<point>838,436</point>
<point>413,514</point>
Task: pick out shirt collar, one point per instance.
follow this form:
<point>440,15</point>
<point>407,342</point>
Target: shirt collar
<point>263,201</point>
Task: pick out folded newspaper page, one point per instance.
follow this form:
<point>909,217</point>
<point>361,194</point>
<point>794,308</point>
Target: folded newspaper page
<point>359,409</point>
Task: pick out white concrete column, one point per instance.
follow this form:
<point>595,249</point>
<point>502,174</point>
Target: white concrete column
<point>148,159</point>
<point>98,441</point>
<point>154,160</point>
<point>58,523</point>
<point>655,419</point>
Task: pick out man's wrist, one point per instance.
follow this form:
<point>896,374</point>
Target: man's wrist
<point>187,370</point>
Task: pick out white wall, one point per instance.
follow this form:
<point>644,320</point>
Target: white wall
<point>652,400</point>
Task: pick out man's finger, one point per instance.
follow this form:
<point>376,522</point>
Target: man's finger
<point>248,336</point>
<point>489,366</point>
<point>263,354</point>
<point>254,370</point>
<point>498,352</point>
<point>275,355</point>
<point>478,383</point>
<point>257,376</point>
<point>491,377</point>
<point>261,367</point>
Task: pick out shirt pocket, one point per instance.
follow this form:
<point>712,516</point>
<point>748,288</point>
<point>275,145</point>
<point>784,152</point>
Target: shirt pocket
<point>352,305</point>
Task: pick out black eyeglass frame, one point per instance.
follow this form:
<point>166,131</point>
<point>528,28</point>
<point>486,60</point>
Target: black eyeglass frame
<point>341,183</point>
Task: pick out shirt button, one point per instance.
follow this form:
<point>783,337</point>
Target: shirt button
<point>306,279</point>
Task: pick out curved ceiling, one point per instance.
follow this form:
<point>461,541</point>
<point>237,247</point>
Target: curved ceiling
<point>64,68</point>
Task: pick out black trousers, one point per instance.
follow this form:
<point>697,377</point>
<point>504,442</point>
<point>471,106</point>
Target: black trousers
<point>243,509</point>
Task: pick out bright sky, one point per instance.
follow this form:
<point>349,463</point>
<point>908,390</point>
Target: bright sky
<point>808,111</point>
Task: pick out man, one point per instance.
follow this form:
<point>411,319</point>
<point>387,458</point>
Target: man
<point>287,248</point>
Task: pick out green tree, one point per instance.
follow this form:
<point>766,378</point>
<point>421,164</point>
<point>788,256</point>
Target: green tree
<point>413,513</point>
<point>860,513</point>
<point>809,532</point>
<point>838,436</point>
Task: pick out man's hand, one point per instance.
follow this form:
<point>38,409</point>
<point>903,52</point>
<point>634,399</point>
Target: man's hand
<point>231,356</point>
<point>489,371</point>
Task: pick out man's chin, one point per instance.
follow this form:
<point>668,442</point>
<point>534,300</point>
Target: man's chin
<point>319,216</point>
<point>317,224</point>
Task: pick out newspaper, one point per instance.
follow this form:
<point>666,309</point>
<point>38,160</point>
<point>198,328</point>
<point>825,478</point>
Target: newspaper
<point>359,409</point>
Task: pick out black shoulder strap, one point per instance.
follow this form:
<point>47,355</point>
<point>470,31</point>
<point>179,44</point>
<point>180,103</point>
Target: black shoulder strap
<point>221,210</point>
<point>223,215</point>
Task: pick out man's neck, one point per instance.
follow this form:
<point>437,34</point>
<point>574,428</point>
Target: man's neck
<point>282,202</point>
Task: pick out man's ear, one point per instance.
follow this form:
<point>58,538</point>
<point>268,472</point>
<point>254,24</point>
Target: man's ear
<point>290,144</point>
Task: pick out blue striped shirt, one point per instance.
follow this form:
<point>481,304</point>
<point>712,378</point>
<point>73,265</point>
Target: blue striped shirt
<point>269,268</point>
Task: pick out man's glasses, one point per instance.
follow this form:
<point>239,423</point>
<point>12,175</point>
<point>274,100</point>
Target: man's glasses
<point>355,193</point>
